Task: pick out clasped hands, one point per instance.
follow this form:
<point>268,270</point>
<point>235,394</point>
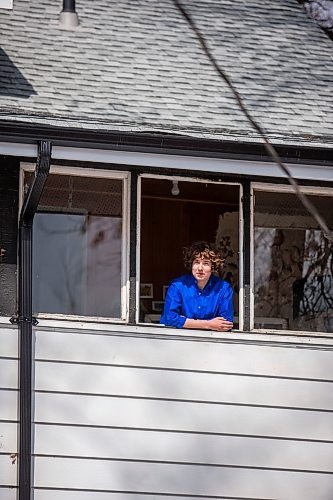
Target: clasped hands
<point>219,324</point>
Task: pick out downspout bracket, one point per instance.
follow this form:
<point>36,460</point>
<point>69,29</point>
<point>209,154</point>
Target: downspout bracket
<point>15,320</point>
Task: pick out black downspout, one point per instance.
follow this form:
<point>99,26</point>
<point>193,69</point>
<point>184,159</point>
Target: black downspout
<point>25,319</point>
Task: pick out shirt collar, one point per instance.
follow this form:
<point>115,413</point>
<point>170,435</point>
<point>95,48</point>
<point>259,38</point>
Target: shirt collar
<point>209,285</point>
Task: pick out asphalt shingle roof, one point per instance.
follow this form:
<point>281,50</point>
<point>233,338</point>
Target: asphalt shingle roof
<point>136,66</point>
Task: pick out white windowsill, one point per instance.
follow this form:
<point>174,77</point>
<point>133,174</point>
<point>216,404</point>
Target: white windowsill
<point>152,330</point>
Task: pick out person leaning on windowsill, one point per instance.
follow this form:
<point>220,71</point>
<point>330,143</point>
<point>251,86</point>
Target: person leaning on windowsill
<point>201,299</point>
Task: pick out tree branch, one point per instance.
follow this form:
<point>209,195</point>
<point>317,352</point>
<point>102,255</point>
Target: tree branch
<point>269,147</point>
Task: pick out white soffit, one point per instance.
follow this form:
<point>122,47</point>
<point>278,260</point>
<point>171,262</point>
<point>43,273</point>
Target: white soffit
<point>178,162</point>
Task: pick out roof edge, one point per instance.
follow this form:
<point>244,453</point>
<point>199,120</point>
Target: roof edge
<point>162,143</point>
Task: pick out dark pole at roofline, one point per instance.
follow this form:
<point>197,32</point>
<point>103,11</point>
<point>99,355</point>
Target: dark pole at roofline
<point>25,319</point>
<point>68,6</point>
<point>68,18</point>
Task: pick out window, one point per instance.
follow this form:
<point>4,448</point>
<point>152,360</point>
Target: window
<point>79,246</point>
<point>293,263</point>
<point>174,216</point>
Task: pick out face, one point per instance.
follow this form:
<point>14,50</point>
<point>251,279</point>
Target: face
<point>201,270</point>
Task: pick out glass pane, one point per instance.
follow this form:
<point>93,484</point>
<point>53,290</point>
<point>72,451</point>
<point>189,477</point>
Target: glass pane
<point>77,240</point>
<point>293,264</point>
<point>172,220</point>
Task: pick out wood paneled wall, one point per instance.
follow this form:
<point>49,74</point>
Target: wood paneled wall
<point>166,227</point>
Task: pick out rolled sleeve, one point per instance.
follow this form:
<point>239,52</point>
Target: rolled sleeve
<point>173,308</point>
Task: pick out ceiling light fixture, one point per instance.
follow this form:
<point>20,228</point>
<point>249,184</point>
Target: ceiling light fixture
<point>175,188</point>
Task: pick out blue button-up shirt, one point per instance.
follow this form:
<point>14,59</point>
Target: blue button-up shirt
<point>185,299</point>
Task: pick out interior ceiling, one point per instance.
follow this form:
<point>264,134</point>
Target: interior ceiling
<point>191,191</point>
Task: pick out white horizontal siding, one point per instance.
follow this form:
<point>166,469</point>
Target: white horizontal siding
<point>169,415</point>
<point>195,386</point>
<point>166,416</point>
<point>8,411</point>
<point>94,495</point>
<point>8,405</point>
<point>8,342</point>
<point>8,374</point>
<point>187,354</point>
<point>181,479</point>
<point>8,437</point>
<point>9,494</point>
<point>177,447</point>
<point>8,471</point>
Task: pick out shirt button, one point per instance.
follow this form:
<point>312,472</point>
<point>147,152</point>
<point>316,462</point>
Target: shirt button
<point>199,307</point>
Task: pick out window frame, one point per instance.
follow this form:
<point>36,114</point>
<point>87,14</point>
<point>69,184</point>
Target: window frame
<point>106,163</point>
<point>277,188</point>
<point>97,174</point>
<point>240,228</point>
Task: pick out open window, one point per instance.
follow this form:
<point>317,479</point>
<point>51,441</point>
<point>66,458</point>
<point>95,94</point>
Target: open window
<point>79,245</point>
<point>293,262</point>
<point>176,212</point>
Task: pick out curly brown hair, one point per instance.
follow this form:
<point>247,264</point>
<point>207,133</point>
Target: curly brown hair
<point>203,250</point>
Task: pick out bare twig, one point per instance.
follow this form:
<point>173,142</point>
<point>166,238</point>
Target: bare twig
<point>269,147</point>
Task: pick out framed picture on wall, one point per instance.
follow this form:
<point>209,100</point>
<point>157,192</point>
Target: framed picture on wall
<point>165,289</point>
<point>158,305</point>
<point>146,291</point>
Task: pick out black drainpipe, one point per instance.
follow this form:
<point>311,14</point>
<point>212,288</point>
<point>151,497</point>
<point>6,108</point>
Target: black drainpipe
<point>25,320</point>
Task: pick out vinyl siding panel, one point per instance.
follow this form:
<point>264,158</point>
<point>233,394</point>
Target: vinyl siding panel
<point>8,342</point>
<point>8,412</point>
<point>183,385</point>
<point>147,416</point>
<point>8,493</point>
<point>43,494</point>
<point>8,437</point>
<point>179,479</point>
<point>8,404</point>
<point>257,358</point>
<point>8,472</point>
<point>8,373</point>
<point>180,447</point>
<point>174,415</point>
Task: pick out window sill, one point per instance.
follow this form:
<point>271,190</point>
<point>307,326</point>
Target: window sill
<point>265,337</point>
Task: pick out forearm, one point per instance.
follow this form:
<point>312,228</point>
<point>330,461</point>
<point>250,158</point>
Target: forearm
<point>218,324</point>
<point>201,324</point>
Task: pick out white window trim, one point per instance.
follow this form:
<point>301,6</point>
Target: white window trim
<point>100,174</point>
<point>281,188</point>
<point>241,236</point>
<point>277,188</point>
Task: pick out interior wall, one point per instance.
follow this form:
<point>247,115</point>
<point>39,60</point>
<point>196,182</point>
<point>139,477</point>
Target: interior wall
<point>166,227</point>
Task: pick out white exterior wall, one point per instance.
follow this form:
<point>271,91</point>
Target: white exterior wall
<point>141,413</point>
<point>8,412</point>
<point>128,415</point>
